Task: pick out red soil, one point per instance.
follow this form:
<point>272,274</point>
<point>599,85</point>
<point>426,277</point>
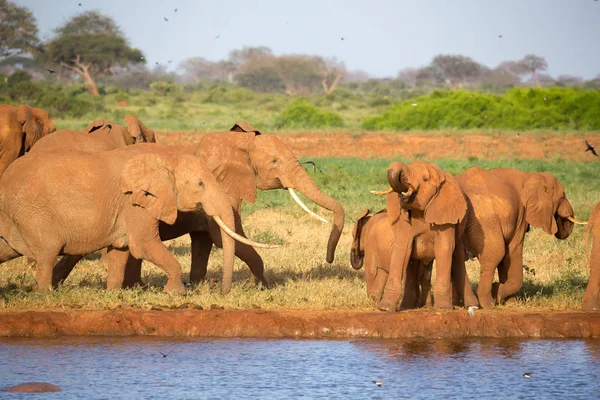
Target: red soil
<point>303,324</point>
<point>425,145</point>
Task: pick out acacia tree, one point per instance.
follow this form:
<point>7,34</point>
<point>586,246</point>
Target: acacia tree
<point>532,64</point>
<point>90,45</point>
<point>455,69</point>
<point>331,71</point>
<point>18,29</point>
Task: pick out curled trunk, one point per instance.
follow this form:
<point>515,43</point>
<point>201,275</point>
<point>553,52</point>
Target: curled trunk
<point>565,227</point>
<point>397,175</point>
<point>305,185</point>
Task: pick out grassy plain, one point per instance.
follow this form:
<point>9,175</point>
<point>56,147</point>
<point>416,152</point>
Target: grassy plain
<point>555,271</point>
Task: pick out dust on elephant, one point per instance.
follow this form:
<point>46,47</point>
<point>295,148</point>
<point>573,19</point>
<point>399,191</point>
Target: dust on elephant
<point>591,298</point>
<point>372,243</point>
<point>100,135</point>
<point>242,160</point>
<point>426,202</point>
<point>85,202</point>
<point>20,128</point>
<point>502,204</point>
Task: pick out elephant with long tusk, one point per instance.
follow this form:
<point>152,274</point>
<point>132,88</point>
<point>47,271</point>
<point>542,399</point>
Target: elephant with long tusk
<point>243,160</point>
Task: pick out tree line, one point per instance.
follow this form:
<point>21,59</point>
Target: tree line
<point>91,47</point>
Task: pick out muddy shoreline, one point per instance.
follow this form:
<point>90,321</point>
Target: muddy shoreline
<point>301,324</point>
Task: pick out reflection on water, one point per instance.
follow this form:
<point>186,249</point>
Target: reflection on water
<point>241,368</point>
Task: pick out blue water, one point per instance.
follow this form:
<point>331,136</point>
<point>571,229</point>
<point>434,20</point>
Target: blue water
<point>133,368</point>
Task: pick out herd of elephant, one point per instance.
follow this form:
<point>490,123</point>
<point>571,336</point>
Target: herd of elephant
<point>113,188</point>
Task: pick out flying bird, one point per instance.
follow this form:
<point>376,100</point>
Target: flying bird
<point>377,383</point>
<point>527,375</point>
<point>157,63</point>
<point>218,36</point>
<point>342,38</point>
<point>79,4</point>
<point>500,36</point>
<point>166,19</point>
<point>169,62</point>
<point>50,71</point>
<point>175,10</point>
<point>590,148</point>
<point>164,355</point>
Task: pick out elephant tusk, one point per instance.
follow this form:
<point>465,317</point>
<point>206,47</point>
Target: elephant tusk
<point>304,207</point>
<point>240,238</point>
<point>409,192</point>
<point>573,220</point>
<point>382,192</point>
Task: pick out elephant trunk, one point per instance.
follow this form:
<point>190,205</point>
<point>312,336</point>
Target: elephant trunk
<point>397,177</point>
<point>226,215</point>
<point>356,259</point>
<point>305,185</point>
<point>564,220</point>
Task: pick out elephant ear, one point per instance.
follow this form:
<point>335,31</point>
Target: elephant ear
<point>243,126</point>
<point>149,179</point>
<point>99,124</point>
<point>237,178</point>
<point>138,130</point>
<point>449,205</point>
<point>29,125</point>
<point>537,200</point>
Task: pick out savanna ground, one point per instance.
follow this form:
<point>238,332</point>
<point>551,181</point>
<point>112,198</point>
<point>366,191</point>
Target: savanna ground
<point>349,164</point>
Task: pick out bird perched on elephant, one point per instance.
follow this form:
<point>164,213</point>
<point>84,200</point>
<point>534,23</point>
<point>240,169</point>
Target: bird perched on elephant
<point>242,160</point>
<point>77,203</point>
<point>426,202</point>
<point>501,205</point>
<point>20,128</point>
<point>100,135</point>
<point>591,298</point>
<point>372,243</point>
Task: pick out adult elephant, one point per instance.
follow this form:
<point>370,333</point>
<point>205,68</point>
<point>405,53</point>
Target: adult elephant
<point>100,135</point>
<point>20,128</point>
<point>502,204</point>
<point>242,160</point>
<point>591,298</point>
<point>426,202</point>
<point>372,243</point>
<point>84,202</point>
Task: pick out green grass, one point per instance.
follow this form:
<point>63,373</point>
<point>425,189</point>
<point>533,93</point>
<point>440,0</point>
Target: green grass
<point>555,276</point>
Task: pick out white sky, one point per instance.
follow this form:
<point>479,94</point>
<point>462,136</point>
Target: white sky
<point>380,36</point>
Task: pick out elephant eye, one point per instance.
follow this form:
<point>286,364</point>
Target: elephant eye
<point>274,161</point>
<point>201,184</point>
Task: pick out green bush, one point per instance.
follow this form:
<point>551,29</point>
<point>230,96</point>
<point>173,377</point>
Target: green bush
<point>302,114</point>
<point>162,88</point>
<point>518,109</point>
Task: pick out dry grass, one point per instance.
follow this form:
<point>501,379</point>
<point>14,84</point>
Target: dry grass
<point>555,274</point>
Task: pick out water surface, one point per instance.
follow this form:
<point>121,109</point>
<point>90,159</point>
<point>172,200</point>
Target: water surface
<point>133,368</point>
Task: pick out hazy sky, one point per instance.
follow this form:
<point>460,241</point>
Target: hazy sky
<point>380,36</point>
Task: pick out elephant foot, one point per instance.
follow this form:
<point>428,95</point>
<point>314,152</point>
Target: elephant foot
<point>175,288</point>
<point>386,306</point>
<point>590,306</point>
<point>256,282</point>
<point>447,306</point>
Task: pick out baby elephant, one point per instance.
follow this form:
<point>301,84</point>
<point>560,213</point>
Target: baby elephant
<point>372,243</point>
<point>69,203</point>
<point>591,298</point>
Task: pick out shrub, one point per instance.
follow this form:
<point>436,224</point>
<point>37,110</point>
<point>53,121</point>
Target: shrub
<point>518,109</point>
<point>302,114</point>
<point>162,88</point>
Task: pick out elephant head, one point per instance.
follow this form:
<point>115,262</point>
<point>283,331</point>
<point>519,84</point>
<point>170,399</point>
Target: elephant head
<point>134,132</point>
<point>425,187</point>
<point>35,124</point>
<point>164,185</point>
<point>244,160</point>
<point>357,250</point>
<point>546,206</point>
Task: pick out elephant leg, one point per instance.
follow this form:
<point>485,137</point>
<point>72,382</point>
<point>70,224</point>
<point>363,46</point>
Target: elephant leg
<point>45,265</point>
<point>443,250</point>
<point>117,263</point>
<point>156,252</point>
<point>375,291</point>
<point>513,269</point>
<point>591,298</point>
<point>460,279</point>
<point>133,273</point>
<point>200,249</point>
<point>411,293</point>
<point>63,268</point>
<point>425,278</point>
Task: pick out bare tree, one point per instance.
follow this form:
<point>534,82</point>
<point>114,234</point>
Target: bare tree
<point>408,76</point>
<point>569,80</point>
<point>455,69</point>
<point>332,71</point>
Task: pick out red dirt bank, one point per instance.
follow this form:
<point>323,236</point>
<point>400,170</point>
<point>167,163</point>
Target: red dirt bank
<point>302,324</point>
